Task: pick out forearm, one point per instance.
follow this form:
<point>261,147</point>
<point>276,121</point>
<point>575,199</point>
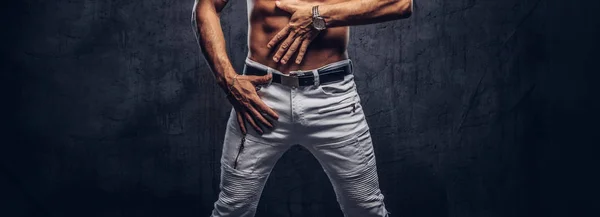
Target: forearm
<point>360,12</point>
<point>212,40</point>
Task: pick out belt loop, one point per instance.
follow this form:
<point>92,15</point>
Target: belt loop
<point>351,66</point>
<point>316,76</point>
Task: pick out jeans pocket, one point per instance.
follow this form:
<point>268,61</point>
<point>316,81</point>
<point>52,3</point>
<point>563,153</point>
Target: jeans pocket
<point>340,105</point>
<point>338,88</point>
<point>365,144</point>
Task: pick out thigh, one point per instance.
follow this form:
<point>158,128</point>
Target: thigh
<point>351,168</point>
<point>332,112</point>
<point>249,154</point>
<point>346,157</point>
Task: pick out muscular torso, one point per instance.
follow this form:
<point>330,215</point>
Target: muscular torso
<point>265,21</point>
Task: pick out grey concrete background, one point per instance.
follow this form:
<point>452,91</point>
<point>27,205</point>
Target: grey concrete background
<point>478,108</point>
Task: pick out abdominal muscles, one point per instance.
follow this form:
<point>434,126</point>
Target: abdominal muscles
<point>266,21</point>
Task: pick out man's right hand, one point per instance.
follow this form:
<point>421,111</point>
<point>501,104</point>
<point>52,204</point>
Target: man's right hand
<point>246,102</point>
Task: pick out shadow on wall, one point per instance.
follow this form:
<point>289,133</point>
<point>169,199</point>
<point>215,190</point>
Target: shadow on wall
<point>299,187</point>
<point>412,189</point>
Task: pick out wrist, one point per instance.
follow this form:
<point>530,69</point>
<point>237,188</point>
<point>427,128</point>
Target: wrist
<point>325,13</point>
<point>224,80</point>
<point>318,21</point>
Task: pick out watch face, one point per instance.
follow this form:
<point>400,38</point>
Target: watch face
<point>319,23</point>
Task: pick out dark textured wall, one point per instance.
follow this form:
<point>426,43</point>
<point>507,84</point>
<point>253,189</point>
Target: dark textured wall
<point>477,109</point>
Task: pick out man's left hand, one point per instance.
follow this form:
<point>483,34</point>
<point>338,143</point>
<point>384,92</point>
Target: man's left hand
<point>297,34</point>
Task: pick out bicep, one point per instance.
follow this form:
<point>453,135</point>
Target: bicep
<point>204,10</point>
<point>211,5</point>
<point>219,4</point>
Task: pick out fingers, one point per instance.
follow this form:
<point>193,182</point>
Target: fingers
<point>302,51</point>
<point>303,47</point>
<point>259,117</point>
<point>251,111</point>
<point>252,123</point>
<point>239,110</point>
<point>280,35</point>
<point>284,46</point>
<point>249,106</point>
<point>297,40</point>
<point>265,109</point>
<point>254,117</point>
<point>292,49</point>
<point>240,120</point>
<point>257,80</point>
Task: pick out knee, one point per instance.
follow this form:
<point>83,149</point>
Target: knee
<point>239,193</point>
<point>365,204</point>
<point>236,204</point>
<point>361,195</point>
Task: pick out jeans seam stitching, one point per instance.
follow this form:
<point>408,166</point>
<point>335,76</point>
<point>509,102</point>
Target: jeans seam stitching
<point>245,174</point>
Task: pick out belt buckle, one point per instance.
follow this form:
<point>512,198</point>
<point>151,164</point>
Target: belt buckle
<point>290,80</point>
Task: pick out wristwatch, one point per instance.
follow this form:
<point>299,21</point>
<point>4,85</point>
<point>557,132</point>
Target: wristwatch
<point>317,21</point>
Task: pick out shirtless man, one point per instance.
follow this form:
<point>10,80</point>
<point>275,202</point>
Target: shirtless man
<point>297,87</point>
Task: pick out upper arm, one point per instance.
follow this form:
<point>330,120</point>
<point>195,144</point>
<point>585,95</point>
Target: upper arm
<point>219,4</point>
<point>214,5</point>
<point>206,7</point>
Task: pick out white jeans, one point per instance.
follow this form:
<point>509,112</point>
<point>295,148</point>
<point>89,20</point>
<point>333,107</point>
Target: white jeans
<point>328,120</point>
